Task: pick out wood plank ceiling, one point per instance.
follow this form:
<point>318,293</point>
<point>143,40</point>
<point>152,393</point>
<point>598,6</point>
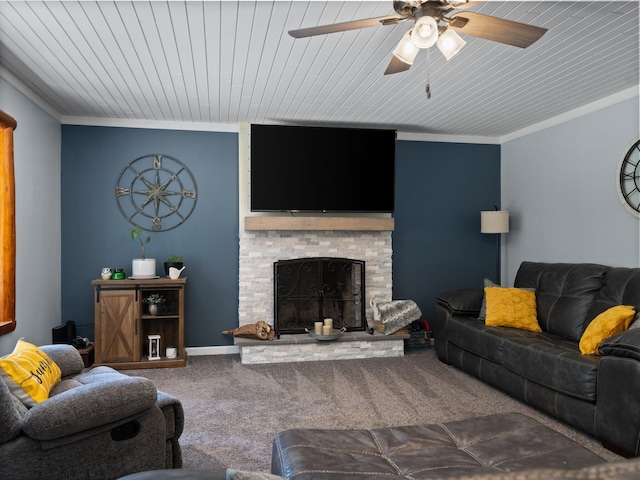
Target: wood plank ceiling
<point>233,61</point>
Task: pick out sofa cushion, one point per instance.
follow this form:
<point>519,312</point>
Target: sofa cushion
<point>511,307</point>
<point>482,340</point>
<point>621,287</point>
<point>565,293</point>
<point>614,320</point>
<point>553,362</point>
<point>29,373</point>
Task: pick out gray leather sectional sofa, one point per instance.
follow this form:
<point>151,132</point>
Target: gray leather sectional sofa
<point>599,394</point>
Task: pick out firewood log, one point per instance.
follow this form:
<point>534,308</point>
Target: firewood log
<point>259,330</point>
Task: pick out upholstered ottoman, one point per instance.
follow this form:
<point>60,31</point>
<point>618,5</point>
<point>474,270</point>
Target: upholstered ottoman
<point>482,445</point>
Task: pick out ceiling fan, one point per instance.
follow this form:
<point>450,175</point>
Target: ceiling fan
<point>432,27</point>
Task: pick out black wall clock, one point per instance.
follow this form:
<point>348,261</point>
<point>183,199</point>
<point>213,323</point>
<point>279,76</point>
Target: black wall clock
<point>156,192</point>
<point>629,179</point>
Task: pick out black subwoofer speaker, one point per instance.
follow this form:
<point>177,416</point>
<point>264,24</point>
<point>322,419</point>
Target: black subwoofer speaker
<point>64,333</point>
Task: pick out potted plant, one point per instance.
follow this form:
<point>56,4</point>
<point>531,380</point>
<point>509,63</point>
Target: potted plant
<point>153,301</point>
<point>173,261</point>
<point>142,267</point>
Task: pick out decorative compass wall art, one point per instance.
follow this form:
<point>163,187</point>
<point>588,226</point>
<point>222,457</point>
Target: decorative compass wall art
<point>156,192</point>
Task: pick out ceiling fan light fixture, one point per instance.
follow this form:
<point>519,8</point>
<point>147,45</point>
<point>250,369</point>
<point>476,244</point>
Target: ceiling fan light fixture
<point>425,32</point>
<point>450,43</point>
<point>406,51</point>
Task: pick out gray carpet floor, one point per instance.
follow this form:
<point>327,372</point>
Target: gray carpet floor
<point>233,411</point>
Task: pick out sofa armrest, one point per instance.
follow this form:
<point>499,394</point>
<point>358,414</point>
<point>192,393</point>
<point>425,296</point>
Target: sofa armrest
<point>174,414</point>
<point>66,357</point>
<point>89,406</point>
<point>617,419</point>
<point>625,344</point>
<point>466,301</point>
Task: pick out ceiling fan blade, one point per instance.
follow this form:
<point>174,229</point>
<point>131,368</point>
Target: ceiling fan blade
<point>344,26</point>
<point>496,29</point>
<point>463,6</point>
<point>396,66</point>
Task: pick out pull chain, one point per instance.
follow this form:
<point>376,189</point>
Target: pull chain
<point>428,87</point>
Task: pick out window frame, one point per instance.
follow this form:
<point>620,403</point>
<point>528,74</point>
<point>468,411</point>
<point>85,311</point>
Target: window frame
<point>7,226</point>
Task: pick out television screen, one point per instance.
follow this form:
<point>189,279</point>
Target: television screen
<point>320,169</point>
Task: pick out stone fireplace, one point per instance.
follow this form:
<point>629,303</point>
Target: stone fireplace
<point>261,248</point>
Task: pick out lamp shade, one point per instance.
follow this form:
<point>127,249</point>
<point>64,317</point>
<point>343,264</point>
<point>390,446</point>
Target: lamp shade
<point>494,221</point>
<point>450,43</point>
<point>406,50</point>
<point>425,32</point>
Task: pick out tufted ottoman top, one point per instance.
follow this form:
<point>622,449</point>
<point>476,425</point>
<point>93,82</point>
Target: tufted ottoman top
<point>482,445</point>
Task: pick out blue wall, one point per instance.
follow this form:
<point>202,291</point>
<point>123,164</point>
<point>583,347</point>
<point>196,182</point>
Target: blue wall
<point>437,245</point>
<point>440,190</point>
<point>95,234</point>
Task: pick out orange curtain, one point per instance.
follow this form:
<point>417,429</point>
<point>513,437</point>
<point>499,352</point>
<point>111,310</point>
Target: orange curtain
<point>7,226</point>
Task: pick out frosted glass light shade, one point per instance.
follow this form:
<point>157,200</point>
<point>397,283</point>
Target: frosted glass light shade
<point>406,50</point>
<point>494,221</point>
<point>425,33</point>
<point>450,43</point>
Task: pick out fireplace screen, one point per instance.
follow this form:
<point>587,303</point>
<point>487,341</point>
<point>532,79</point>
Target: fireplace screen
<point>309,290</point>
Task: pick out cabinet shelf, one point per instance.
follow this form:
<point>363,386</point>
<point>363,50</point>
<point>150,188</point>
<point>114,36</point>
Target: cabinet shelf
<point>122,324</point>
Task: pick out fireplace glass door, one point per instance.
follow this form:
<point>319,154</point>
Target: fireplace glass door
<point>309,290</point>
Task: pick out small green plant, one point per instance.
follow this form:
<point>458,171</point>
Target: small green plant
<point>174,259</point>
<point>154,299</point>
<point>138,234</point>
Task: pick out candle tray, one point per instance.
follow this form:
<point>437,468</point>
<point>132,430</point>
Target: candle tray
<point>337,333</point>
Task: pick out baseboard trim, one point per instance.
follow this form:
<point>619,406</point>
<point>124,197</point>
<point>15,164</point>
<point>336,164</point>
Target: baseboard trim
<point>222,350</point>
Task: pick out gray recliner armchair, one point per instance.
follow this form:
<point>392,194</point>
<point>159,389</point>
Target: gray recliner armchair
<point>96,423</point>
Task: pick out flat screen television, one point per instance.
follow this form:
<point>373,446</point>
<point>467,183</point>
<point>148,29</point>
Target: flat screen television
<point>322,169</point>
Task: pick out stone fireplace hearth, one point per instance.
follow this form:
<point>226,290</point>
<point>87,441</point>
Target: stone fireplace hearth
<point>259,249</point>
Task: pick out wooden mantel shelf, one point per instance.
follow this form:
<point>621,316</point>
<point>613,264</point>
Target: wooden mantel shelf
<point>319,223</point>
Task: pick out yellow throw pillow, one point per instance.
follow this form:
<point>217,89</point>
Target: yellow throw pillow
<point>614,320</point>
<point>511,307</point>
<point>29,373</point>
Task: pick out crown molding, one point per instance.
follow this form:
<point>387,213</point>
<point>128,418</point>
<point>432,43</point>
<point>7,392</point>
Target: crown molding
<point>433,137</point>
<point>29,93</point>
<point>150,124</point>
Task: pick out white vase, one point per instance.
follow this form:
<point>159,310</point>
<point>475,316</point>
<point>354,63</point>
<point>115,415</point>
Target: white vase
<point>143,268</point>
<point>153,309</point>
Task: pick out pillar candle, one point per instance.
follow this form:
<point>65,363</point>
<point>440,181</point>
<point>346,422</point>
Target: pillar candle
<point>328,322</point>
<point>317,328</point>
<point>327,330</point>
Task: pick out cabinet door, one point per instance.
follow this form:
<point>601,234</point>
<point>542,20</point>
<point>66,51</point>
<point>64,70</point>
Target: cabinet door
<point>116,327</point>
